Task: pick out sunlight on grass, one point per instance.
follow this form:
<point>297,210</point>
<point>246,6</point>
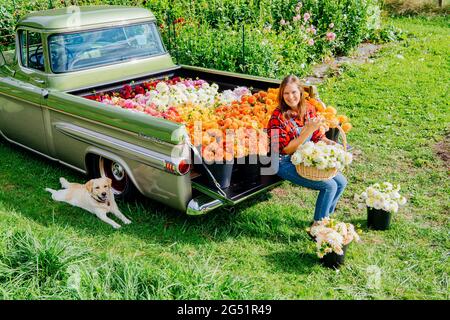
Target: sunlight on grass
<point>399,108</point>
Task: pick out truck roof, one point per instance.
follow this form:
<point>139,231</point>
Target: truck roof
<point>76,17</point>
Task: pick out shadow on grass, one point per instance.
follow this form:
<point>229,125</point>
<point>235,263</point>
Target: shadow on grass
<point>360,223</point>
<point>26,175</point>
<point>293,261</point>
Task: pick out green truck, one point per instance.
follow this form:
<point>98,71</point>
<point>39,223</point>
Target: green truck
<point>63,55</point>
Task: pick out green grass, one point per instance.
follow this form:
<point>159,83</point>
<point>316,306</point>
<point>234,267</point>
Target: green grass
<point>399,108</point>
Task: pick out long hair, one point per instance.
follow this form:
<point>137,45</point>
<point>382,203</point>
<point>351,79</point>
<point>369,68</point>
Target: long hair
<point>285,109</point>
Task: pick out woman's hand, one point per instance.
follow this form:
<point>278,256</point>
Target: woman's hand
<point>324,128</point>
<point>314,124</point>
<point>328,141</point>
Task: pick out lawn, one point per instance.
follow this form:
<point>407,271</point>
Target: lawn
<point>398,105</point>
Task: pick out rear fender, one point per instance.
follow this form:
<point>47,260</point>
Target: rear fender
<point>111,156</point>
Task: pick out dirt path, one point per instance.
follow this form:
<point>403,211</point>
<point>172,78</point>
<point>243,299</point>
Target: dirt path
<point>442,149</point>
<point>333,67</point>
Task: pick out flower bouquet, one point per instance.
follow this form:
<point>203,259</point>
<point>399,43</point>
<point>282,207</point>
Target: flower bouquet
<point>320,161</point>
<point>332,119</point>
<point>381,201</point>
<point>332,238</point>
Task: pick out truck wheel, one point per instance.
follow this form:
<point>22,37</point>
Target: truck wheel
<point>122,186</point>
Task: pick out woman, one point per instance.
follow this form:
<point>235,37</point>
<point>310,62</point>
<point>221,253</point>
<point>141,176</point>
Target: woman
<point>293,123</point>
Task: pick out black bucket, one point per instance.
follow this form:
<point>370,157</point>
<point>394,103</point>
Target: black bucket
<point>334,260</point>
<point>247,168</point>
<point>222,173</point>
<point>333,134</point>
<point>378,219</point>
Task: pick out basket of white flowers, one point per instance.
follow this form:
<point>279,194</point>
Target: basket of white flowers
<point>320,161</point>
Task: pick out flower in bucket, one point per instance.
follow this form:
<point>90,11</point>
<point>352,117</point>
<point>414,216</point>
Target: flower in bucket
<point>322,156</point>
<point>384,196</point>
<point>331,235</point>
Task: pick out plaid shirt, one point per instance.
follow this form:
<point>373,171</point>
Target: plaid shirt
<point>286,130</point>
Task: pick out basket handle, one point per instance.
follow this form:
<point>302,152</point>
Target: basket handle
<point>344,137</point>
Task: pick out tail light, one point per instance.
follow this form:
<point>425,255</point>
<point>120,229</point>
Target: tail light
<point>183,167</point>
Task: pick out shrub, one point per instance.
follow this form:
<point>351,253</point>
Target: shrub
<point>280,36</point>
<point>388,33</point>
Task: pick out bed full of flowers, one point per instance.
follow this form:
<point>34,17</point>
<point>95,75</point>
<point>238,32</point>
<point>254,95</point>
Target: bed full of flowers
<point>222,124</point>
<point>384,196</point>
<point>331,235</point>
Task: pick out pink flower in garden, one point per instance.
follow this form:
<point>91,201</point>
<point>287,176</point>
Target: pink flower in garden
<point>297,17</point>
<point>283,22</point>
<point>331,25</point>
<point>311,30</point>
<point>311,42</point>
<point>331,36</point>
<point>306,16</point>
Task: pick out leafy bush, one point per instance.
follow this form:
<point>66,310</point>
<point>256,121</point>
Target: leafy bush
<point>264,52</point>
<point>280,36</point>
<point>354,20</point>
<point>387,34</point>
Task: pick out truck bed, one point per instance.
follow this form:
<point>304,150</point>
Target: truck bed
<point>225,80</point>
<point>206,198</point>
<point>204,195</point>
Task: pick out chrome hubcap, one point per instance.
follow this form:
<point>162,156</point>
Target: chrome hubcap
<point>117,171</point>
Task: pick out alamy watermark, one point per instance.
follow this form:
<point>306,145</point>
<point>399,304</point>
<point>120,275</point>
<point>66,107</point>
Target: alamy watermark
<point>373,277</point>
<point>74,17</point>
<point>215,146</point>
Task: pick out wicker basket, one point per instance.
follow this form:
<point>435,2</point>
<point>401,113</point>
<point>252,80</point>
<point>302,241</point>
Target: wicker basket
<point>312,173</point>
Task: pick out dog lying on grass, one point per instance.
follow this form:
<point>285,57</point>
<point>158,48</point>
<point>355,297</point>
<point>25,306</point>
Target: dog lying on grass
<point>95,196</point>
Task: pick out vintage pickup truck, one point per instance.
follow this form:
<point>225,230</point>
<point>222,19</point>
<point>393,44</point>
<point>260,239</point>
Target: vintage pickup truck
<point>62,56</point>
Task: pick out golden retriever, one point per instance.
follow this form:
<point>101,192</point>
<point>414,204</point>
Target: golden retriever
<point>94,196</point>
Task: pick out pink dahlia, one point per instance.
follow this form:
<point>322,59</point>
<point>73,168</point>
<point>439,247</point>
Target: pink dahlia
<point>331,36</point>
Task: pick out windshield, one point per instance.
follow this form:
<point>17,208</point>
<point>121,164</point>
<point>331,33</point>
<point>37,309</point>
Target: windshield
<point>88,49</point>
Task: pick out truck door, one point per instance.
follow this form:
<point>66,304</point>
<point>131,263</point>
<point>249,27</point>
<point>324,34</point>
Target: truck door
<point>21,118</point>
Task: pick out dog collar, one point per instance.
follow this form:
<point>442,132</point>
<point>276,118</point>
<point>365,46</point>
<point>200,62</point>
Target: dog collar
<point>101,201</point>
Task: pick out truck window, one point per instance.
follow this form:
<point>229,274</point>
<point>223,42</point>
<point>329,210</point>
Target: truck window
<point>93,48</point>
<point>31,50</point>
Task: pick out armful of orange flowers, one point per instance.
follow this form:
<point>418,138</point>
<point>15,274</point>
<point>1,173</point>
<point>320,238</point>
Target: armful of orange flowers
<point>332,119</point>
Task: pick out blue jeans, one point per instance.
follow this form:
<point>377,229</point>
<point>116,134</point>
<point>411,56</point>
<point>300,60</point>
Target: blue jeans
<point>330,190</point>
